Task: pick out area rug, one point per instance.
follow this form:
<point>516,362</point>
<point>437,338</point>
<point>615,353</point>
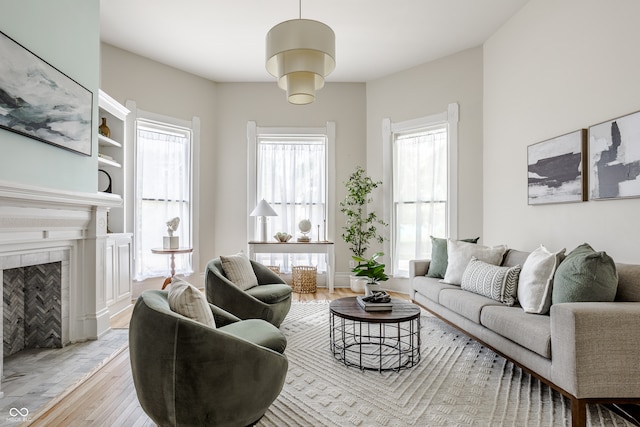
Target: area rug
<point>458,382</point>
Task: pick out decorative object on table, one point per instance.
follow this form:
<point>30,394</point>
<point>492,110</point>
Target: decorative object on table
<point>263,210</point>
<point>104,181</point>
<point>377,301</point>
<point>556,169</point>
<point>303,279</point>
<point>103,129</point>
<point>171,241</point>
<point>51,107</point>
<point>282,237</point>
<point>372,270</point>
<point>614,158</point>
<point>300,53</point>
<point>361,227</point>
<point>305,228</point>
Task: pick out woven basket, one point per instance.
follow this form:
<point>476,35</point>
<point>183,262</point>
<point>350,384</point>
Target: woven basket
<point>274,268</point>
<point>304,279</point>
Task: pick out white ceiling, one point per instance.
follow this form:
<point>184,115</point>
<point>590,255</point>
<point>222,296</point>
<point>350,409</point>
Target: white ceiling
<point>224,40</point>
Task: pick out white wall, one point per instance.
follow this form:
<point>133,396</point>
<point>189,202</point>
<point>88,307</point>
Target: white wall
<point>66,34</point>
<point>426,90</point>
<point>556,67</point>
<point>265,103</point>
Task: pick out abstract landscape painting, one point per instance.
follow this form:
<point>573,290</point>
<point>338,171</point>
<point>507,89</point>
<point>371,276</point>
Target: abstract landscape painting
<point>555,169</point>
<point>614,156</point>
<point>39,101</point>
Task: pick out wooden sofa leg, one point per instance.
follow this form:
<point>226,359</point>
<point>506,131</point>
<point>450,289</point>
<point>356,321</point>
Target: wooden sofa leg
<point>578,412</point>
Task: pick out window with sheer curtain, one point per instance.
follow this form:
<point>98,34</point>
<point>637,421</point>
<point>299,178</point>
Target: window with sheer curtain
<point>292,177</point>
<point>163,186</point>
<point>420,190</point>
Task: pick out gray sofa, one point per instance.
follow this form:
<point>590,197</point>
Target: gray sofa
<point>588,351</point>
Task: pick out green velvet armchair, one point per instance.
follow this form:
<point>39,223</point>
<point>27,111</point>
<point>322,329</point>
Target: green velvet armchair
<point>270,300</point>
<point>189,374</point>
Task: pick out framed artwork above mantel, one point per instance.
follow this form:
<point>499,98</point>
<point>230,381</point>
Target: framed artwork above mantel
<point>39,101</point>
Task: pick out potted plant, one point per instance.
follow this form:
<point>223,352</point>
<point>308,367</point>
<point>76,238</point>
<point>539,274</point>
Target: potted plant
<point>361,226</point>
<point>372,270</point>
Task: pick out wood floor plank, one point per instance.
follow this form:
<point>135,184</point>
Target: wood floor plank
<point>108,397</point>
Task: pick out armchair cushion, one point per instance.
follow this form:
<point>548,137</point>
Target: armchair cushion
<point>270,294</point>
<point>186,299</point>
<point>238,270</point>
<point>258,332</point>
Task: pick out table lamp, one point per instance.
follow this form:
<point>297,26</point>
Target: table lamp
<point>263,210</point>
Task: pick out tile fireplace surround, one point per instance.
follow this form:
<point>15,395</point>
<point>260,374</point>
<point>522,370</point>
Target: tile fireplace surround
<point>40,226</point>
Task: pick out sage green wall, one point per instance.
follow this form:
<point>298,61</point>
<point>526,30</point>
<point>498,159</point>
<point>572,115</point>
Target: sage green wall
<point>554,68</point>
<point>66,34</point>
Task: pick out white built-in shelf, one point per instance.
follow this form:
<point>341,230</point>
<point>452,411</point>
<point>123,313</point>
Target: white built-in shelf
<point>107,162</point>
<point>108,142</point>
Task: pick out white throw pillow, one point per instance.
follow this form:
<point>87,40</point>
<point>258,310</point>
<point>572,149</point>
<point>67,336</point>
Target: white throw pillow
<point>536,280</point>
<point>460,253</point>
<point>186,299</point>
<point>238,270</point>
<point>497,283</point>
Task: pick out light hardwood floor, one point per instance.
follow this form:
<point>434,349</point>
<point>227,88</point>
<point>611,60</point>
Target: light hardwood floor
<point>108,397</point>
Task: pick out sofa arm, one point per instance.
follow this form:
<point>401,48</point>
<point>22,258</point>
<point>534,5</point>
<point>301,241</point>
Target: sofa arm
<point>418,267</point>
<point>595,347</point>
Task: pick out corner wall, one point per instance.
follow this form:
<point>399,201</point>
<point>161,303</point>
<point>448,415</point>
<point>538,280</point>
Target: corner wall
<point>556,67</point>
<point>66,34</point>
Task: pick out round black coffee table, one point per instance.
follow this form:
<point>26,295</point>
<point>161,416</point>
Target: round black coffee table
<point>375,340</point>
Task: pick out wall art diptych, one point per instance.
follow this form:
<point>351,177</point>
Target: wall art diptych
<point>555,169</point>
<point>39,101</point>
<point>614,158</point>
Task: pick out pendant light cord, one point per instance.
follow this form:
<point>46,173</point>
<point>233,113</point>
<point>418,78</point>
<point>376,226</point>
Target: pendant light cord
<point>300,9</point>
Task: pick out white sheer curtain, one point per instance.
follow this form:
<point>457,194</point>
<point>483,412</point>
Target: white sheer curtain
<point>419,194</point>
<point>291,175</point>
<point>163,191</point>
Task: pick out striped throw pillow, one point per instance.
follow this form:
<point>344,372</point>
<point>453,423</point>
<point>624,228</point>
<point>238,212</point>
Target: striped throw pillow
<point>238,270</point>
<point>497,283</point>
<point>186,299</point>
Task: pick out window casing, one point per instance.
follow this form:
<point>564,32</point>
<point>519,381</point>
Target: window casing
<point>421,195</point>
<point>291,169</point>
<point>163,190</point>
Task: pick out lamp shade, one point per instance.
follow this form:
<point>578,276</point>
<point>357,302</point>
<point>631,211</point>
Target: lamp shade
<point>300,54</point>
<point>263,209</point>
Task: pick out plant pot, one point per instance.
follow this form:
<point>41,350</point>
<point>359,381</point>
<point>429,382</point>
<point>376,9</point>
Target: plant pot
<point>357,284</point>
<point>370,287</point>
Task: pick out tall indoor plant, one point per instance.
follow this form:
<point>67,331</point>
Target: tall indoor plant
<point>361,226</point>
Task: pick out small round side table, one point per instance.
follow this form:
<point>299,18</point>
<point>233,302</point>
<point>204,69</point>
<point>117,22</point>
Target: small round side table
<point>173,253</point>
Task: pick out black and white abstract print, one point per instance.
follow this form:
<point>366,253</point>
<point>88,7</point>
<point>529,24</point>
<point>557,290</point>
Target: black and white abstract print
<point>555,169</point>
<point>614,156</point>
<point>39,101</point>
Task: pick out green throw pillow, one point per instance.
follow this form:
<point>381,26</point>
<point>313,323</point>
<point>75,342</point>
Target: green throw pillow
<point>585,275</point>
<point>439,256</point>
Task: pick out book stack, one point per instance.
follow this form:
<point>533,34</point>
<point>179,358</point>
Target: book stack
<point>374,306</point>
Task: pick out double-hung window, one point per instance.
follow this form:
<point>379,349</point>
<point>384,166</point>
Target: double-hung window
<point>422,198</point>
<point>163,190</point>
<point>290,170</point>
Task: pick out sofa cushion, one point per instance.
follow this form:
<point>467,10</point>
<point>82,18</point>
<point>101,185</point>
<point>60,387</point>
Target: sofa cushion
<point>628,282</point>
<point>430,287</point>
<point>460,253</point>
<point>238,270</point>
<point>438,264</point>
<point>270,294</point>
<point>466,304</point>
<point>585,275</point>
<point>536,280</point>
<point>259,332</point>
<point>495,282</point>
<point>187,300</point>
<point>513,257</point>
<point>528,330</point>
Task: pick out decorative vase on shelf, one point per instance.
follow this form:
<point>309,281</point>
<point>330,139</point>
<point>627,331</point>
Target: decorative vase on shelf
<point>104,129</point>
